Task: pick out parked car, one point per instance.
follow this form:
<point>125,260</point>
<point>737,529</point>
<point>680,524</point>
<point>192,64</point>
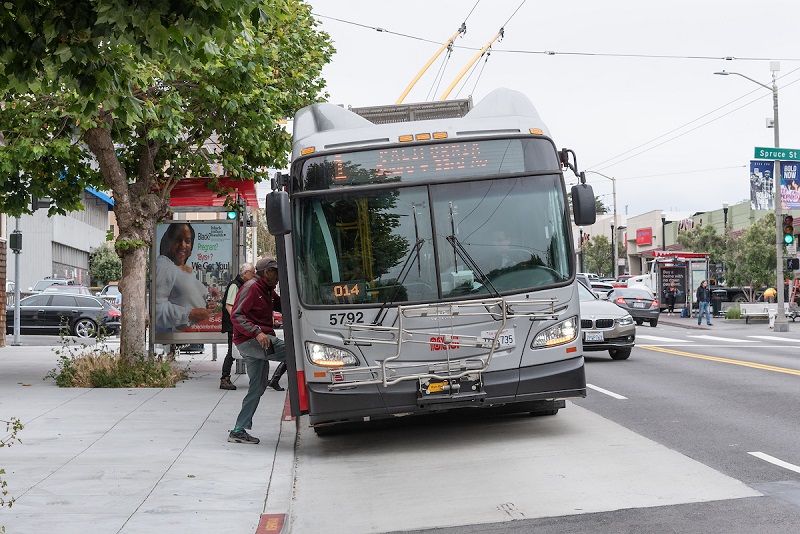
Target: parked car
<point>110,290</point>
<point>47,282</point>
<point>54,313</point>
<point>605,326</point>
<point>639,302</point>
<point>277,319</point>
<point>58,288</point>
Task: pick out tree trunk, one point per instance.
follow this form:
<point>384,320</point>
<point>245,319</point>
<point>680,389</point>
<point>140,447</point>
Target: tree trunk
<point>137,209</point>
<point>135,305</point>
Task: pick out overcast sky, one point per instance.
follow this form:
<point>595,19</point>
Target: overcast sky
<point>666,128</point>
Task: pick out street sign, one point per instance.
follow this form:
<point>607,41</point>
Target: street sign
<point>792,154</point>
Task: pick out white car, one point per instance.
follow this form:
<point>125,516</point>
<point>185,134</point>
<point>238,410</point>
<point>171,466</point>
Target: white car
<point>605,326</point>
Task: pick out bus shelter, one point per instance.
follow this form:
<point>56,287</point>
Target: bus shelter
<point>194,256</point>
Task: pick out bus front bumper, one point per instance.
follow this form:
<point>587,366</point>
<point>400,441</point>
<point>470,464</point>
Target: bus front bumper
<point>557,380</point>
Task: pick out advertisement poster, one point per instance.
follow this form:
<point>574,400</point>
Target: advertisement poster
<point>676,273</point>
<point>193,265</point>
<point>762,186</point>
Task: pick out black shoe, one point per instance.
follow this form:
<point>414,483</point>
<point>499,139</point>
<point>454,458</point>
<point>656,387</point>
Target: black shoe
<point>709,324</point>
<point>242,437</point>
<point>273,383</point>
<point>225,383</point>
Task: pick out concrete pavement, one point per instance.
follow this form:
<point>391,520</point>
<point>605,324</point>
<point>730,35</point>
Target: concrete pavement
<point>140,460</point>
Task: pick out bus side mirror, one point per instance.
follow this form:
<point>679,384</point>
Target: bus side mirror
<point>279,221</point>
<point>583,205</point>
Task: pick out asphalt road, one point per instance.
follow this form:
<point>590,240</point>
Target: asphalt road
<point>697,432</point>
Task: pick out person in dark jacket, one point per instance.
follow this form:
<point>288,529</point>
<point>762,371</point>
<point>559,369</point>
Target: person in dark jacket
<point>671,293</point>
<point>254,336</point>
<point>703,300</point>
<point>246,273</point>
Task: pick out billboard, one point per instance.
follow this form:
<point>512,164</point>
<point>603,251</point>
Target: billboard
<point>192,264</point>
<point>762,188</point>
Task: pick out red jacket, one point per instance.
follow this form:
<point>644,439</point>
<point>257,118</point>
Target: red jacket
<point>252,310</point>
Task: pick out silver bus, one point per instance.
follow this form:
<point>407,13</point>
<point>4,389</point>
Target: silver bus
<point>428,265</point>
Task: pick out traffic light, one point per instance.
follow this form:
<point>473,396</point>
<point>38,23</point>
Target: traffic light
<point>788,230</point>
<point>792,264</point>
<point>232,215</point>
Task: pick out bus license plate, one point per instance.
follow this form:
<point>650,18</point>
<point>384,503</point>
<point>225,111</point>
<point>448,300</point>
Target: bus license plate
<point>505,339</point>
<point>594,336</point>
<point>435,387</point>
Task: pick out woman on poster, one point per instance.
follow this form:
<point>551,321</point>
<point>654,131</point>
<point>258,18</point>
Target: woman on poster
<point>181,299</point>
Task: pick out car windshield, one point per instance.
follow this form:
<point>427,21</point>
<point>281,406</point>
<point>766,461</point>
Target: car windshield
<point>584,294</point>
<point>42,284</point>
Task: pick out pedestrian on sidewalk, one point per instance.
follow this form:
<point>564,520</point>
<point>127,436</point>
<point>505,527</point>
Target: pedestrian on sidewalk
<point>670,296</point>
<point>246,273</point>
<point>703,300</point>
<point>254,336</point>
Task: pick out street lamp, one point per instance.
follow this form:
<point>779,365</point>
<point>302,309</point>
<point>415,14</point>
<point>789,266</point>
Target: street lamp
<point>613,224</point>
<point>663,231</point>
<point>725,218</point>
<point>781,324</point>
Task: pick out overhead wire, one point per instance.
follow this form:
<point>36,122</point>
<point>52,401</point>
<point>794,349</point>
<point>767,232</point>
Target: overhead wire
<point>555,53</point>
<point>689,123</point>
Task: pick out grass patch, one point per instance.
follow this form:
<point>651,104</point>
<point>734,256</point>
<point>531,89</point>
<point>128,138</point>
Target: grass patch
<point>734,312</point>
<point>85,366</point>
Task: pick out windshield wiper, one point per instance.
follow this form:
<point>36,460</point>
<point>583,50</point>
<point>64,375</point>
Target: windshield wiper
<point>404,271</point>
<point>470,262</point>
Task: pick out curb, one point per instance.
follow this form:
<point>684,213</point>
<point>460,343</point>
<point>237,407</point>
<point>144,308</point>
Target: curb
<point>276,518</point>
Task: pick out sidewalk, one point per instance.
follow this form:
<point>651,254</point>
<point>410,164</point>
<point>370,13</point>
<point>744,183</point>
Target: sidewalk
<point>136,461</point>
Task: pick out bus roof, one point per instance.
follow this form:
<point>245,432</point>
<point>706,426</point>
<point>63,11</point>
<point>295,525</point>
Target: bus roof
<point>328,127</point>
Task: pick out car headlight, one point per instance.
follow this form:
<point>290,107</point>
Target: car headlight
<point>625,320</point>
<point>558,334</point>
<point>328,356</point>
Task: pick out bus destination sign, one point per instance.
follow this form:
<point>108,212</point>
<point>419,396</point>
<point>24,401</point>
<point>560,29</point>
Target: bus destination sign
<point>790,154</point>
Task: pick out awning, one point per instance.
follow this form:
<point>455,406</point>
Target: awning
<point>194,192</point>
<point>655,253</point>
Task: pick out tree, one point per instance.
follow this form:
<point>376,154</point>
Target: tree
<point>134,95</point>
<point>751,258</point>
<point>104,265</point>
<point>597,255</point>
<point>704,239</point>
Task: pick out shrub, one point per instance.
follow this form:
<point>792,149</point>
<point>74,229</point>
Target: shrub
<point>733,313</point>
<point>12,427</point>
<point>92,367</point>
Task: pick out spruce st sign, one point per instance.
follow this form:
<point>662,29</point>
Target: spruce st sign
<point>789,154</point>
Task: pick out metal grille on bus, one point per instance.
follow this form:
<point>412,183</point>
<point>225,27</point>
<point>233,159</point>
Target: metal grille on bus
<point>600,323</point>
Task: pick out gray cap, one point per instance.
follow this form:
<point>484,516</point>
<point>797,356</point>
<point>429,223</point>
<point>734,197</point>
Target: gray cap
<point>267,263</point>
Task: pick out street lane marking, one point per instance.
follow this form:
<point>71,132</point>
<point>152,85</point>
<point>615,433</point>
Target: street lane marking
<point>727,360</point>
<point>776,338</point>
<point>776,461</point>
<point>665,339</point>
<point>609,393</point>
<point>730,340</point>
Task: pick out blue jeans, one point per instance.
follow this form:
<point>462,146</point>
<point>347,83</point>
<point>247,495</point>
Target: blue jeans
<point>702,307</point>
<point>256,359</point>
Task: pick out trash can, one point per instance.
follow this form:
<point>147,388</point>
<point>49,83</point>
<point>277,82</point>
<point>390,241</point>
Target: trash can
<point>717,297</point>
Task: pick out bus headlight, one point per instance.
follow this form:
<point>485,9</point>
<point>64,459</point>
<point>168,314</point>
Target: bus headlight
<point>558,334</point>
<point>328,356</point>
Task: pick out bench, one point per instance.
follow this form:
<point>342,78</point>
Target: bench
<point>764,309</point>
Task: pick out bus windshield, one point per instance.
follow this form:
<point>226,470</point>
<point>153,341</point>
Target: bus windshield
<point>400,244</point>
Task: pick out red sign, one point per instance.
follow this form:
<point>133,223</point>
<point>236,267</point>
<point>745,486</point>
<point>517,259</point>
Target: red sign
<point>644,236</point>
